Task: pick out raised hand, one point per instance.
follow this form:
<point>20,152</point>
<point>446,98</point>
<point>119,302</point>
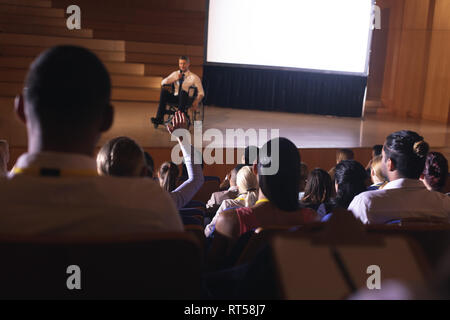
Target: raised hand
<point>178,122</point>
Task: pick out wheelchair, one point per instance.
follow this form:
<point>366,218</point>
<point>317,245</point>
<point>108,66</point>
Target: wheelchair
<point>191,115</point>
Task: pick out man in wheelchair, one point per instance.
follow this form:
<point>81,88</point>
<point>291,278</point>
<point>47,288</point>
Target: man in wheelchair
<point>191,93</point>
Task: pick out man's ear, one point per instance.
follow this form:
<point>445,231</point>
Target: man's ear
<point>19,108</point>
<point>255,168</point>
<point>390,165</point>
<point>107,119</point>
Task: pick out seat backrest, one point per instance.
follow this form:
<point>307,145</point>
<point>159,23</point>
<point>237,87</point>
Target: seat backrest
<point>155,266</point>
<point>433,239</point>
<point>309,270</point>
<point>210,186</point>
<point>338,259</point>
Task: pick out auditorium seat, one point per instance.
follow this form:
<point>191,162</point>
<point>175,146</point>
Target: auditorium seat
<point>263,236</point>
<point>153,266</point>
<point>433,239</point>
<point>196,213</point>
<point>337,261</point>
<point>198,232</point>
<point>210,186</point>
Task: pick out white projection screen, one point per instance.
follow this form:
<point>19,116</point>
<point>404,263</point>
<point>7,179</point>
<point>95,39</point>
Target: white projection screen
<point>321,35</point>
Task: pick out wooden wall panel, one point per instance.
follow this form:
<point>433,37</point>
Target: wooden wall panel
<point>437,91</point>
<point>416,80</point>
<point>315,158</point>
<point>393,48</point>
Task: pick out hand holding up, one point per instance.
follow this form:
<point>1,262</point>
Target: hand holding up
<point>178,122</point>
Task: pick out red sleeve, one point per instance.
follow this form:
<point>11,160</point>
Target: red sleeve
<point>309,215</point>
<point>247,220</point>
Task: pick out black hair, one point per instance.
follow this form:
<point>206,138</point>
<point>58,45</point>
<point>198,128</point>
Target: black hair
<point>436,170</point>
<point>282,187</point>
<point>150,164</point>
<point>407,150</point>
<point>251,154</point>
<point>168,176</point>
<point>377,149</point>
<point>68,88</point>
<point>350,176</point>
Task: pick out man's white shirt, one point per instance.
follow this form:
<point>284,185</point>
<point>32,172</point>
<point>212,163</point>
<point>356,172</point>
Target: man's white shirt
<point>190,79</point>
<point>401,198</point>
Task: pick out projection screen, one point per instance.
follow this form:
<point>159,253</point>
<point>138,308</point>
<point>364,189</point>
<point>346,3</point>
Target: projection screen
<point>331,36</point>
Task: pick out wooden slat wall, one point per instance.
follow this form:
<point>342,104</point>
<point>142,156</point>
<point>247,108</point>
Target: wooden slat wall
<point>437,91</point>
<point>417,71</point>
<point>315,158</point>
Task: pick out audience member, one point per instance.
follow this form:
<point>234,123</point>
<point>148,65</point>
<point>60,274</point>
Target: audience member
<point>121,157</point>
<point>248,158</point>
<point>168,176</point>
<point>376,174</point>
<point>251,154</point>
<point>232,192</point>
<point>278,194</point>
<point>303,179</point>
<point>318,192</point>
<point>247,184</point>
<point>435,174</point>
<point>404,155</point>
<point>54,188</point>
<point>4,158</point>
<point>376,151</point>
<point>341,154</point>
<point>125,158</point>
<point>350,180</point>
<point>150,164</point>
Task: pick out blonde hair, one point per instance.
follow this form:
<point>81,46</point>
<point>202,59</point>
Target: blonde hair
<point>344,154</point>
<point>247,184</point>
<point>376,167</point>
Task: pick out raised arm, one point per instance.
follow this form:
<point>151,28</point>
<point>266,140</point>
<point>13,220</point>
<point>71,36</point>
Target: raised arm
<point>186,191</point>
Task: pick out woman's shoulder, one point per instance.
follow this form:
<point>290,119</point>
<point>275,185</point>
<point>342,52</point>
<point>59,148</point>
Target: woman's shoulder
<point>309,215</point>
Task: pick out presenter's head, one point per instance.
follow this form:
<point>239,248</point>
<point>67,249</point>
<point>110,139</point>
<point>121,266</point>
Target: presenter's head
<point>184,63</point>
<point>65,103</point>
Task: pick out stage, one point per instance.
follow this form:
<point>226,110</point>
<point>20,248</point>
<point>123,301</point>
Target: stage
<point>316,136</point>
<point>306,131</point>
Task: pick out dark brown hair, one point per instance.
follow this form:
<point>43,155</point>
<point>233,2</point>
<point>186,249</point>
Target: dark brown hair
<point>319,188</point>
<point>168,175</point>
<point>436,170</point>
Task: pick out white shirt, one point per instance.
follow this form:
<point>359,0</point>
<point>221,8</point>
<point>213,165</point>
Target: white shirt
<point>401,198</point>
<point>187,190</point>
<point>190,79</point>
<point>73,205</point>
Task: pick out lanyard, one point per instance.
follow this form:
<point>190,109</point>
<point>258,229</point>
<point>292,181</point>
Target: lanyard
<point>53,172</point>
<point>261,200</point>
